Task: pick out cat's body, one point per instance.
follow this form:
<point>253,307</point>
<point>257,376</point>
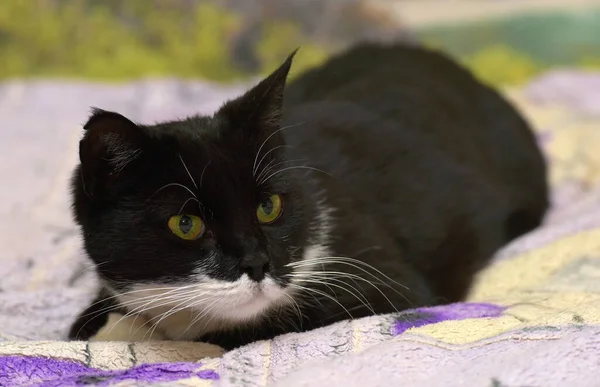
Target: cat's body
<point>400,176</point>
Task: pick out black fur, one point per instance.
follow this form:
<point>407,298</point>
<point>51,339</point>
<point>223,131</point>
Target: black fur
<point>427,173</point>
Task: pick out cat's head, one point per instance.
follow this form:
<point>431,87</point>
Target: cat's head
<point>200,212</point>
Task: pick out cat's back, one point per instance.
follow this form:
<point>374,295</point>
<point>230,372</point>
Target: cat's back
<point>439,160</point>
<point>375,67</point>
<point>379,102</point>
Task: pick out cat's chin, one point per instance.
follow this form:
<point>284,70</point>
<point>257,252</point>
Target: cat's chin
<point>251,299</point>
<point>186,311</point>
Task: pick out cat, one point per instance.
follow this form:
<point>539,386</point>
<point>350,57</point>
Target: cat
<point>383,180</point>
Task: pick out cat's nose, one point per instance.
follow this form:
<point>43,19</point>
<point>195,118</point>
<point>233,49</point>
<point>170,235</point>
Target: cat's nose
<point>256,266</point>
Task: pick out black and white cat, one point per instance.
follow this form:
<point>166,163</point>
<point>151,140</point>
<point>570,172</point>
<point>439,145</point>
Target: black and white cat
<point>380,181</point>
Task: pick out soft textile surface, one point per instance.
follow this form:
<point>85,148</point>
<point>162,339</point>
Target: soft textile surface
<point>533,318</point>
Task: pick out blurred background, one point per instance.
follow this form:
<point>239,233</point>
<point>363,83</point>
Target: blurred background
<point>155,60</point>
<point>504,41</point>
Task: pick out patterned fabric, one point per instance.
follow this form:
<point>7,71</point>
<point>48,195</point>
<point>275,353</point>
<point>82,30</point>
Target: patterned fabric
<point>532,319</point>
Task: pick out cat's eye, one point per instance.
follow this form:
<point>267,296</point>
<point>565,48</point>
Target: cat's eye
<point>188,227</point>
<point>269,209</point>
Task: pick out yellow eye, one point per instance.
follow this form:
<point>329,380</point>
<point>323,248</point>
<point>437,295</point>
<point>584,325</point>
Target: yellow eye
<point>188,227</point>
<point>269,210</point>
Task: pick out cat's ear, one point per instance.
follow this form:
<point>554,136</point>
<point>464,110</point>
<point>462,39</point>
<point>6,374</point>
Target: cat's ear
<point>260,108</point>
<point>111,142</point>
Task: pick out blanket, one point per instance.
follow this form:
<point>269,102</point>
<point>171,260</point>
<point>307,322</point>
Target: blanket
<point>532,319</point>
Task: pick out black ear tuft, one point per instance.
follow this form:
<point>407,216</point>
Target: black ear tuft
<point>261,107</point>
<point>111,142</point>
<point>99,114</point>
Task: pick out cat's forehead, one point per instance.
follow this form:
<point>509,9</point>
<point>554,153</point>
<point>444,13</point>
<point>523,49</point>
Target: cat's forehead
<point>206,155</point>
<point>203,169</point>
<point>206,137</point>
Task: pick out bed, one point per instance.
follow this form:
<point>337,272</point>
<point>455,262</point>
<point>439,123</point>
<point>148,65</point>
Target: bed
<point>533,318</point>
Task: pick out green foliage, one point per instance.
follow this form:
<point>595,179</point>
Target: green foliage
<point>118,39</point>
<point>115,40</point>
<point>497,64</point>
<point>559,38</point>
<point>500,64</point>
<point>278,40</point>
<point>591,62</point>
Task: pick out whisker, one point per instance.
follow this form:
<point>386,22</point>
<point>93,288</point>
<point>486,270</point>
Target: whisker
<point>188,171</point>
<point>295,307</point>
<point>124,294</point>
<point>94,316</point>
<point>147,307</point>
<point>267,169</point>
<point>137,301</point>
<point>267,139</point>
<point>296,167</point>
<point>175,309</point>
<point>83,184</point>
<point>137,311</point>
<point>362,300</point>
<point>304,288</point>
<point>342,260</point>
<point>186,202</point>
<point>266,154</point>
<point>85,268</point>
<point>341,274</point>
<point>311,295</point>
<point>121,305</point>
<point>354,263</point>
<point>204,170</point>
<point>356,277</point>
<point>163,297</point>
<point>171,185</point>
<point>203,313</point>
<point>355,307</point>
<point>190,296</point>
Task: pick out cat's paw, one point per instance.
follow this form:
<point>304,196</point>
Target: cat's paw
<point>130,328</point>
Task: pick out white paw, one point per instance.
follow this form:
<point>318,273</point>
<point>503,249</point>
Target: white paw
<point>130,328</point>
